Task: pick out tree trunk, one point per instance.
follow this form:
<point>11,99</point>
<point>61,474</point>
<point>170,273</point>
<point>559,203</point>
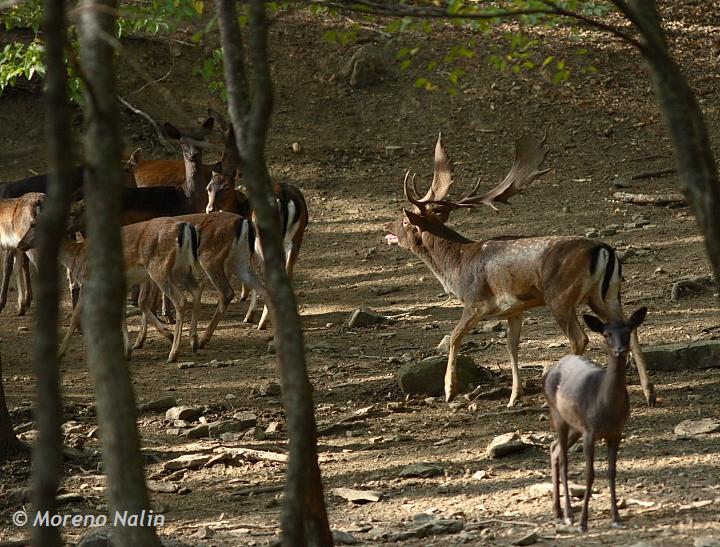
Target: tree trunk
<point>9,443</point>
<point>105,288</point>
<point>47,454</point>
<point>304,518</point>
<point>698,174</point>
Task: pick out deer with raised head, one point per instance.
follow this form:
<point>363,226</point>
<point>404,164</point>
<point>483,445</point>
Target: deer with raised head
<point>292,209</point>
<point>18,217</point>
<point>503,277</point>
<point>588,401</point>
<point>162,251</point>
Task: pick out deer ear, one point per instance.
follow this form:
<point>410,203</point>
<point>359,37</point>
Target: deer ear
<point>593,323</point>
<point>171,131</point>
<point>217,168</point>
<point>208,125</point>
<point>214,114</point>
<point>637,318</point>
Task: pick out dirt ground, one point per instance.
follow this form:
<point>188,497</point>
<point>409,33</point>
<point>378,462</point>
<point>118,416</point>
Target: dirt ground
<point>600,127</point>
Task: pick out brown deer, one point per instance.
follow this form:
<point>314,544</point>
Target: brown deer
<point>162,251</point>
<point>292,208</point>
<point>504,276</point>
<point>588,401</point>
<point>227,244</point>
<point>18,217</point>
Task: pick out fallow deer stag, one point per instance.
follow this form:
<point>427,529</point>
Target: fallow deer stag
<point>504,276</point>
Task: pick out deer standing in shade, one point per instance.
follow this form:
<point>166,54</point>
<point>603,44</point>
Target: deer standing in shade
<point>590,402</point>
<point>504,276</point>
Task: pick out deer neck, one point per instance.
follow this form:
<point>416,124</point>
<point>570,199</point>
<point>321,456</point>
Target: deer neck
<point>195,183</point>
<point>614,386</point>
<point>443,255</point>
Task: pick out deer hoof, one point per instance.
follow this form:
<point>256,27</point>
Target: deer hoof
<point>617,524</point>
<point>583,527</point>
<point>650,395</point>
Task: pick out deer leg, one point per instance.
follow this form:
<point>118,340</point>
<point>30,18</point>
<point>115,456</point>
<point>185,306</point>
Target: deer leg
<point>555,477</point>
<point>178,300</point>
<point>562,432</point>
<point>24,272</point>
<point>74,320</point>
<point>513,339</point>
<point>613,444</point>
<point>195,289</point>
<point>21,283</point>
<point>469,318</point>
<point>589,451</point>
<point>145,301</point>
<point>126,337</point>
<point>8,260</point>
<point>568,321</point>
<point>647,387</point>
<point>225,295</point>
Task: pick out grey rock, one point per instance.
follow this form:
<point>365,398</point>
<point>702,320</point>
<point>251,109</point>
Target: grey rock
<point>427,377</point>
<point>198,432</point>
<point>269,389</point>
<point>158,405</point>
<point>187,461</point>
<point>691,286</point>
<point>527,539</point>
<point>343,538</point>
<point>232,437</point>
<point>422,470</point>
<point>358,496</point>
<point>493,326</point>
<point>605,232</point>
<point>365,317</point>
<point>185,413</point>
<point>505,444</point>
<point>255,434</point>
<point>215,429</point>
<point>695,355</point>
<point>690,428</point>
<point>246,419</point>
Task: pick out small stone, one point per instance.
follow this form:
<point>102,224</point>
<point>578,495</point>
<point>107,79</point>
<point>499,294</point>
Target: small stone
<point>245,419</point>
<point>296,147</point>
<point>365,317</point>
<point>343,538</point>
<point>358,496</point>
<point>230,396</point>
<point>528,539</point>
<point>606,232</point>
<point>198,432</point>
<point>23,329</point>
<point>203,533</point>
<point>273,427</point>
<point>479,475</point>
<point>269,389</point>
<point>697,427</point>
<point>392,151</point>
<point>255,434</point>
<point>215,429</point>
<point>505,444</point>
<point>659,270</point>
<point>427,377</point>
<point>188,461</point>
<point>231,437</point>
<point>185,413</point>
<point>158,405</point>
<point>422,470</point>
<point>493,326</point>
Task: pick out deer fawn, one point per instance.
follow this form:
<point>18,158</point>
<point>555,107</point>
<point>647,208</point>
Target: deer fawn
<point>504,276</point>
<point>292,208</point>
<point>17,218</point>
<point>161,251</point>
<point>592,402</point>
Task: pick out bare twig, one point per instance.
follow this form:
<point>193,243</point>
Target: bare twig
<point>162,77</point>
<point>652,174</point>
<point>156,126</point>
<point>647,199</point>
<point>258,490</point>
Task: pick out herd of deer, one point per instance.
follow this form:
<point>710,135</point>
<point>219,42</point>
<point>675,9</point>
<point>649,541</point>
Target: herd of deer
<point>183,217</point>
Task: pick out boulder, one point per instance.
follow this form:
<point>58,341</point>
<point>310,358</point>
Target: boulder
<point>694,355</point>
<point>365,317</point>
<point>427,377</point>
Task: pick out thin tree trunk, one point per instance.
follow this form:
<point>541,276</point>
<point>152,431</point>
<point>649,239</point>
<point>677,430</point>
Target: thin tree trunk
<point>698,173</point>
<point>304,518</point>
<point>47,454</point>
<point>105,289</point>
<point>9,443</point>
